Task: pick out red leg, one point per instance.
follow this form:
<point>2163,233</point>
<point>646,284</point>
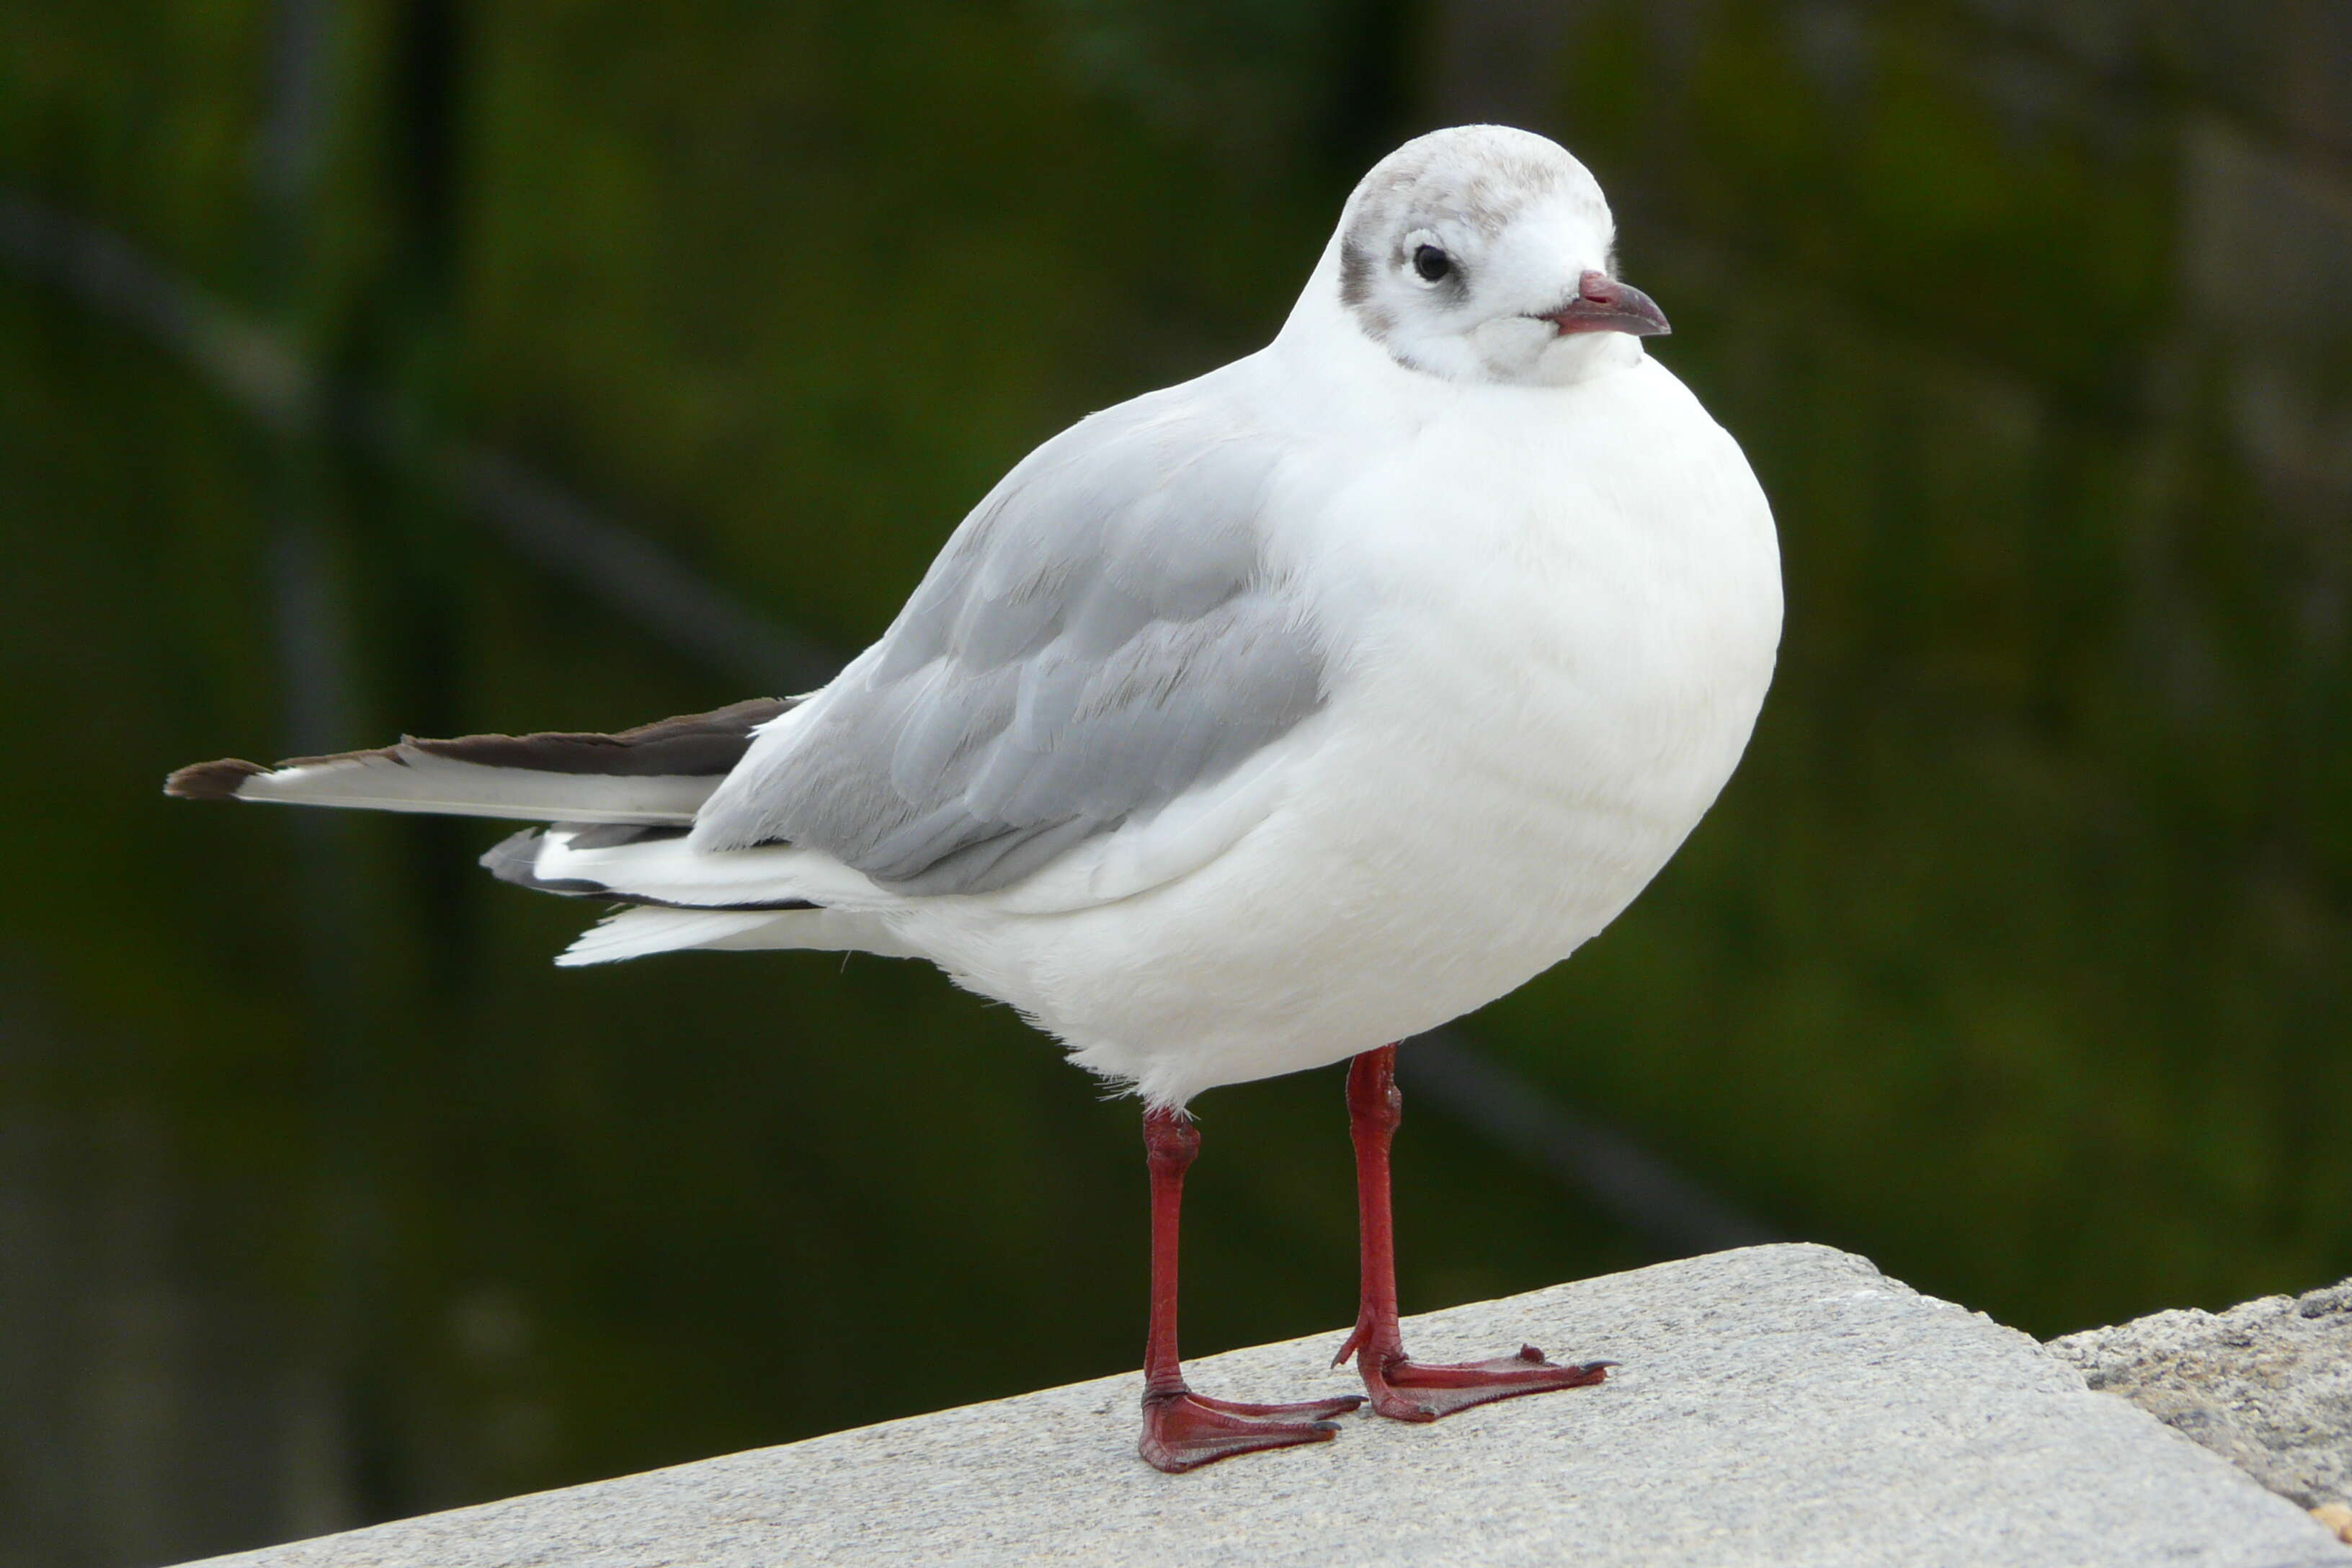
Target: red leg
<point>1183,1430</point>
<point>1403,1389</point>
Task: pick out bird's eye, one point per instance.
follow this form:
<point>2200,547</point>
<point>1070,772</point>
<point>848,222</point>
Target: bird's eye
<point>1431,263</point>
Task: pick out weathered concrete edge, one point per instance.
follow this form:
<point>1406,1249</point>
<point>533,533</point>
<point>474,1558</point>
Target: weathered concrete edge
<point>713,1473</point>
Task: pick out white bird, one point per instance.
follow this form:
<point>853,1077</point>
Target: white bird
<point>1250,725</point>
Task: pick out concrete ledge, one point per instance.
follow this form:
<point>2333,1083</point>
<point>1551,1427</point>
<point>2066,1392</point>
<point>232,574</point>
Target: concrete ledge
<point>1784,1405</point>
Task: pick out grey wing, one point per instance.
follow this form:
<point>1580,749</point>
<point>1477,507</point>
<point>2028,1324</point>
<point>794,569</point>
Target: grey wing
<point>1102,635</point>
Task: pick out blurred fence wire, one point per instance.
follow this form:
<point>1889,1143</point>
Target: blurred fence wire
<point>1672,1212</point>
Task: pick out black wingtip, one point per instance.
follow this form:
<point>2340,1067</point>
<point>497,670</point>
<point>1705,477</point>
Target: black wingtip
<point>212,781</point>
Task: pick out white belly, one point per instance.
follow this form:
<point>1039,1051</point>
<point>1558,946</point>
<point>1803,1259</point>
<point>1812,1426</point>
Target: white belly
<point>1540,685</point>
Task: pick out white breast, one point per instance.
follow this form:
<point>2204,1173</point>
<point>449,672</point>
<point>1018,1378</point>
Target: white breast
<point>1552,620</point>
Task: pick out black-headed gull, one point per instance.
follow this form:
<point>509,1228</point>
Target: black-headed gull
<point>1250,725</point>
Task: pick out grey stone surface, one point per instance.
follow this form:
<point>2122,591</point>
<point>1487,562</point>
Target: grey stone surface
<point>2268,1384</point>
<point>1785,1405</point>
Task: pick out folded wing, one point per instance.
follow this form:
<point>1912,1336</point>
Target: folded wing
<point>1104,634</point>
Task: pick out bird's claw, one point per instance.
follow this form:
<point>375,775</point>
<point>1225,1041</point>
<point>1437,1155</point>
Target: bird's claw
<point>1183,1430</point>
<point>1405,1390</point>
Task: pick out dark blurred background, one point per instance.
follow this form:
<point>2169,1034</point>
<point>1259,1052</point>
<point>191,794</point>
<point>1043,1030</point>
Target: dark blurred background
<point>370,366</point>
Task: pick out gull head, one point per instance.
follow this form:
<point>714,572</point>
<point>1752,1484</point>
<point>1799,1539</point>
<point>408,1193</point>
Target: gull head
<point>1485,254</point>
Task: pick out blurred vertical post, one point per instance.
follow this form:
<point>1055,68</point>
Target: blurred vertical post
<point>318,1491</point>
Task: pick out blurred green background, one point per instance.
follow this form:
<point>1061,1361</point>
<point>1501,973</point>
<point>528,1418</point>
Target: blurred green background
<point>2017,956</point>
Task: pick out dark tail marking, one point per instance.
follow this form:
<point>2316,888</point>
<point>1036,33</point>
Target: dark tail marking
<point>696,745</point>
<point>212,781</point>
<point>693,745</point>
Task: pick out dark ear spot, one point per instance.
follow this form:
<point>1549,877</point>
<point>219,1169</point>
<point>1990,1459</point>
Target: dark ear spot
<point>1355,275</point>
<point>1356,280</point>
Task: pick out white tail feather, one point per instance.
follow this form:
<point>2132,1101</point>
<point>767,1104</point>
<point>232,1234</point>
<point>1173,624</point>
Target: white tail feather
<point>676,871</point>
<point>633,933</point>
